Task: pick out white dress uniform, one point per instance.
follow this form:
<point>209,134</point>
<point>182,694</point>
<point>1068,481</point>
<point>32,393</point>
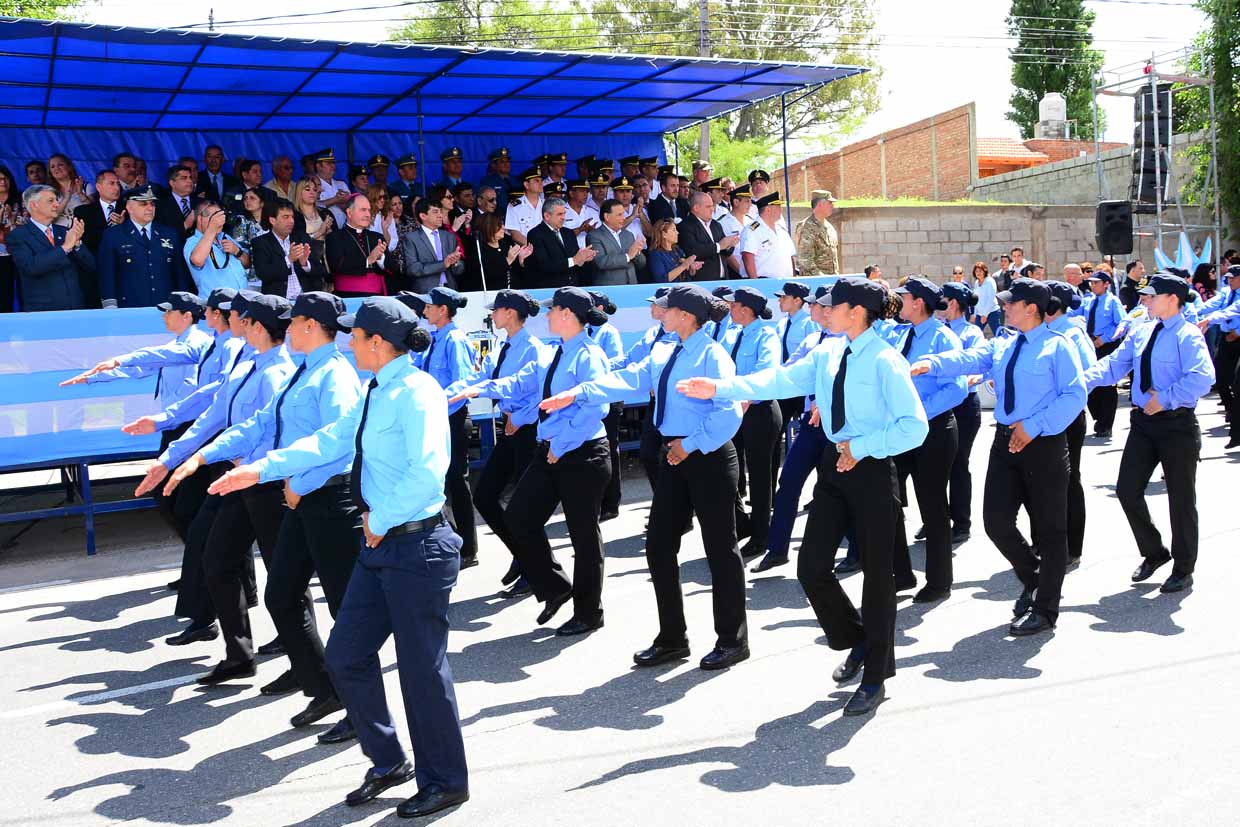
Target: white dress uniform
<point>573,220</point>
<point>720,211</point>
<point>524,216</point>
<point>330,189</point>
<point>753,215</point>
<point>772,250</point>
<point>733,227</point>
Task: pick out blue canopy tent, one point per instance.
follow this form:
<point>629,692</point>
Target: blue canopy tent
<point>90,91</point>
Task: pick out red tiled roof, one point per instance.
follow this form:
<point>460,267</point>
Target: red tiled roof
<point>1008,149</point>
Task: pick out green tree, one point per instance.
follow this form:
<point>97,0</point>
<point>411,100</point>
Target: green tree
<point>1053,54</point>
<point>40,9</point>
<point>516,24</point>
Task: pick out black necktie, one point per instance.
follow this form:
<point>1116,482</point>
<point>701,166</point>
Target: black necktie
<point>821,337</point>
<point>660,401</point>
<point>499,363</point>
<point>721,327</point>
<point>355,475</point>
<point>1231,297</point>
<point>426,360</point>
<point>145,237</point>
<point>736,346</point>
<point>908,343</point>
<point>203,361</point>
<point>1093,316</point>
<point>1009,377</point>
<point>590,332</point>
<point>232,401</point>
<point>1147,356</point>
<point>159,377</point>
<point>280,402</point>
<point>184,207</point>
<point>837,394</point>
<point>555,360</point>
<point>787,330</point>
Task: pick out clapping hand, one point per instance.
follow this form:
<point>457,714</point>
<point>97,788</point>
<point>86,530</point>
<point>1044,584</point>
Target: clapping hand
<point>376,254</point>
<point>119,215</point>
<point>585,255</point>
<point>729,241</point>
<point>526,251</point>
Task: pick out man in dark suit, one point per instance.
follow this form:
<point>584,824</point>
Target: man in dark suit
<point>213,182</point>
<point>251,178</point>
<point>48,258</point>
<point>140,262</point>
<point>556,260</point>
<point>432,254</point>
<point>703,236</point>
<point>618,255</point>
<point>668,204</point>
<point>105,210</point>
<point>281,258</point>
<point>175,208</point>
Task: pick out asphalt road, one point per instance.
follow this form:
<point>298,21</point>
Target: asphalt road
<point>1126,714</point>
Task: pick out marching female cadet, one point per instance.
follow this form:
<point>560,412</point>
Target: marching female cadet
<point>608,338</point>
<point>396,435</point>
<point>754,347</point>
<point>874,414</point>
<point>930,463</point>
<point>1103,313</point>
<point>321,530</point>
<point>1039,390</point>
<point>516,440</point>
<point>718,330</point>
<point>698,472</point>
<point>449,359</point>
<point>244,518</point>
<point>960,303</point>
<point>1171,370</point>
<point>791,330</point>
<point>1064,298</point>
<point>648,450</point>
<point>571,466</point>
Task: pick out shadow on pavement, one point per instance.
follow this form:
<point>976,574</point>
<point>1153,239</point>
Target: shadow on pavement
<point>1131,610</point>
<point>987,655</point>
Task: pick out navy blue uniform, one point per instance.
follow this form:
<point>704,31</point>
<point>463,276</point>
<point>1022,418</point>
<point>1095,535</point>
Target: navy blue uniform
<point>137,270</point>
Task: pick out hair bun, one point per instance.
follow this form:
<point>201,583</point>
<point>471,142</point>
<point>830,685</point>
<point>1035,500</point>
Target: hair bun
<point>596,317</point>
<point>462,301</point>
<point>418,340</point>
<point>533,308</point>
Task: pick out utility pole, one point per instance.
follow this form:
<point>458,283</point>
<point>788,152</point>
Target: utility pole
<point>211,20</point>
<point>704,51</point>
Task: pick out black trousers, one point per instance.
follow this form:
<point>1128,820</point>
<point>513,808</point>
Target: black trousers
<point>1227,380</point>
<point>930,466</point>
<point>179,509</point>
<point>193,597</point>
<point>321,535</point>
<point>1171,439</point>
<point>960,486</point>
<point>864,498</point>
<point>576,481</point>
<point>705,484</point>
<point>1076,491</point>
<point>505,465</point>
<point>791,409</point>
<point>244,516</point>
<point>1036,478</point>
<point>650,447</point>
<point>460,504</point>
<point>8,283</point>
<point>611,494</point>
<point>759,438</point>
<point>1103,400</point>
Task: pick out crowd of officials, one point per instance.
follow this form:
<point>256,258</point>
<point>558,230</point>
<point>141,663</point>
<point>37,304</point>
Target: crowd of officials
<point>270,437</point>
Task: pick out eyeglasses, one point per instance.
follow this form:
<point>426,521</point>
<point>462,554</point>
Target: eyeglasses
<point>490,200</point>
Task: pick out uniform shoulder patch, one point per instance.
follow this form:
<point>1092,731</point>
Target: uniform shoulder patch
<point>753,225</point>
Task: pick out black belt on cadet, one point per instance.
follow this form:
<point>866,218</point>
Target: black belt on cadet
<point>339,479</point>
<point>414,526</point>
<point>1174,413</point>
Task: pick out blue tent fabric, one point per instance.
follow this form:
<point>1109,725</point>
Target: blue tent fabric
<point>126,81</point>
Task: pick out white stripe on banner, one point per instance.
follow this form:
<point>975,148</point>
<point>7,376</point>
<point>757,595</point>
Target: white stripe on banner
<point>36,356</point>
<point>97,414</point>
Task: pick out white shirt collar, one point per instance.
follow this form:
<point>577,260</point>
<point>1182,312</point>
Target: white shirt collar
<point>140,227</point>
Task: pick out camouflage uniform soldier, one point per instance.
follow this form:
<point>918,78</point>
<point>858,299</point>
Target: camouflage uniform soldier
<point>818,245</point>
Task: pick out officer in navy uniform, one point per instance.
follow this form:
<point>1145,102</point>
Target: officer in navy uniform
<point>406,184</point>
<point>452,160</point>
<point>499,178</point>
<point>397,435</point>
<point>139,262</point>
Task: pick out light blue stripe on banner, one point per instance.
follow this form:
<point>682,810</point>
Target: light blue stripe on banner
<point>81,324</point>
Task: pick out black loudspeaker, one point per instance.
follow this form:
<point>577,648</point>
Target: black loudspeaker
<point>1113,228</point>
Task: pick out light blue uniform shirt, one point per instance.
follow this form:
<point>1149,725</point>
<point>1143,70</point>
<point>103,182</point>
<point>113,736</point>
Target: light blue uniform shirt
<point>1106,321</point>
<point>883,415</point>
<point>939,394</point>
<point>175,364</point>
<point>321,394</point>
<point>890,331</point>
<point>718,331</point>
<point>449,359</point>
<point>404,447</point>
<point>759,347</point>
<point>1075,334</point>
<point>704,424</point>
<point>970,335</point>
<point>1222,310</point>
<point>608,338</point>
<point>792,330</point>
<point>1180,367</point>
<point>523,349</point>
<point>219,270</point>
<point>235,351</point>
<point>567,428</point>
<point>251,385</point>
<point>1049,380</point>
<point>641,348</point>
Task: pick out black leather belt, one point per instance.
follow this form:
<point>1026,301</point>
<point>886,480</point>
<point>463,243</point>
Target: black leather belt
<point>339,479</point>
<point>414,526</point>
<point>1174,413</point>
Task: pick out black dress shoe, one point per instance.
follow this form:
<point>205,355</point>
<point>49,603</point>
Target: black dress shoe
<point>431,799</point>
<point>743,529</point>
<point>1148,566</point>
<point>904,584</point>
<point>318,709</point>
<point>752,549</point>
<point>227,670</point>
<point>770,561</point>
<point>341,732</point>
<point>1023,603</point>
<point>1232,443</point>
<point>960,535</point>
<point>608,515</point>
<point>274,647</point>
<point>1176,583</point>
<point>520,588</point>
<point>283,685</point>
<point>208,632</point>
<point>931,595</point>
<point>553,605</point>
<point>468,562</point>
<point>847,670</point>
<point>1030,623</point>
<point>657,654</point>
<point>514,571</point>
<point>578,627</point>
<point>1074,560</point>
<point>174,585</point>
<point>721,657</point>
<point>1103,434</point>
<point>865,700</point>
<point>375,783</point>
<point>921,534</point>
<point>847,566</point>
